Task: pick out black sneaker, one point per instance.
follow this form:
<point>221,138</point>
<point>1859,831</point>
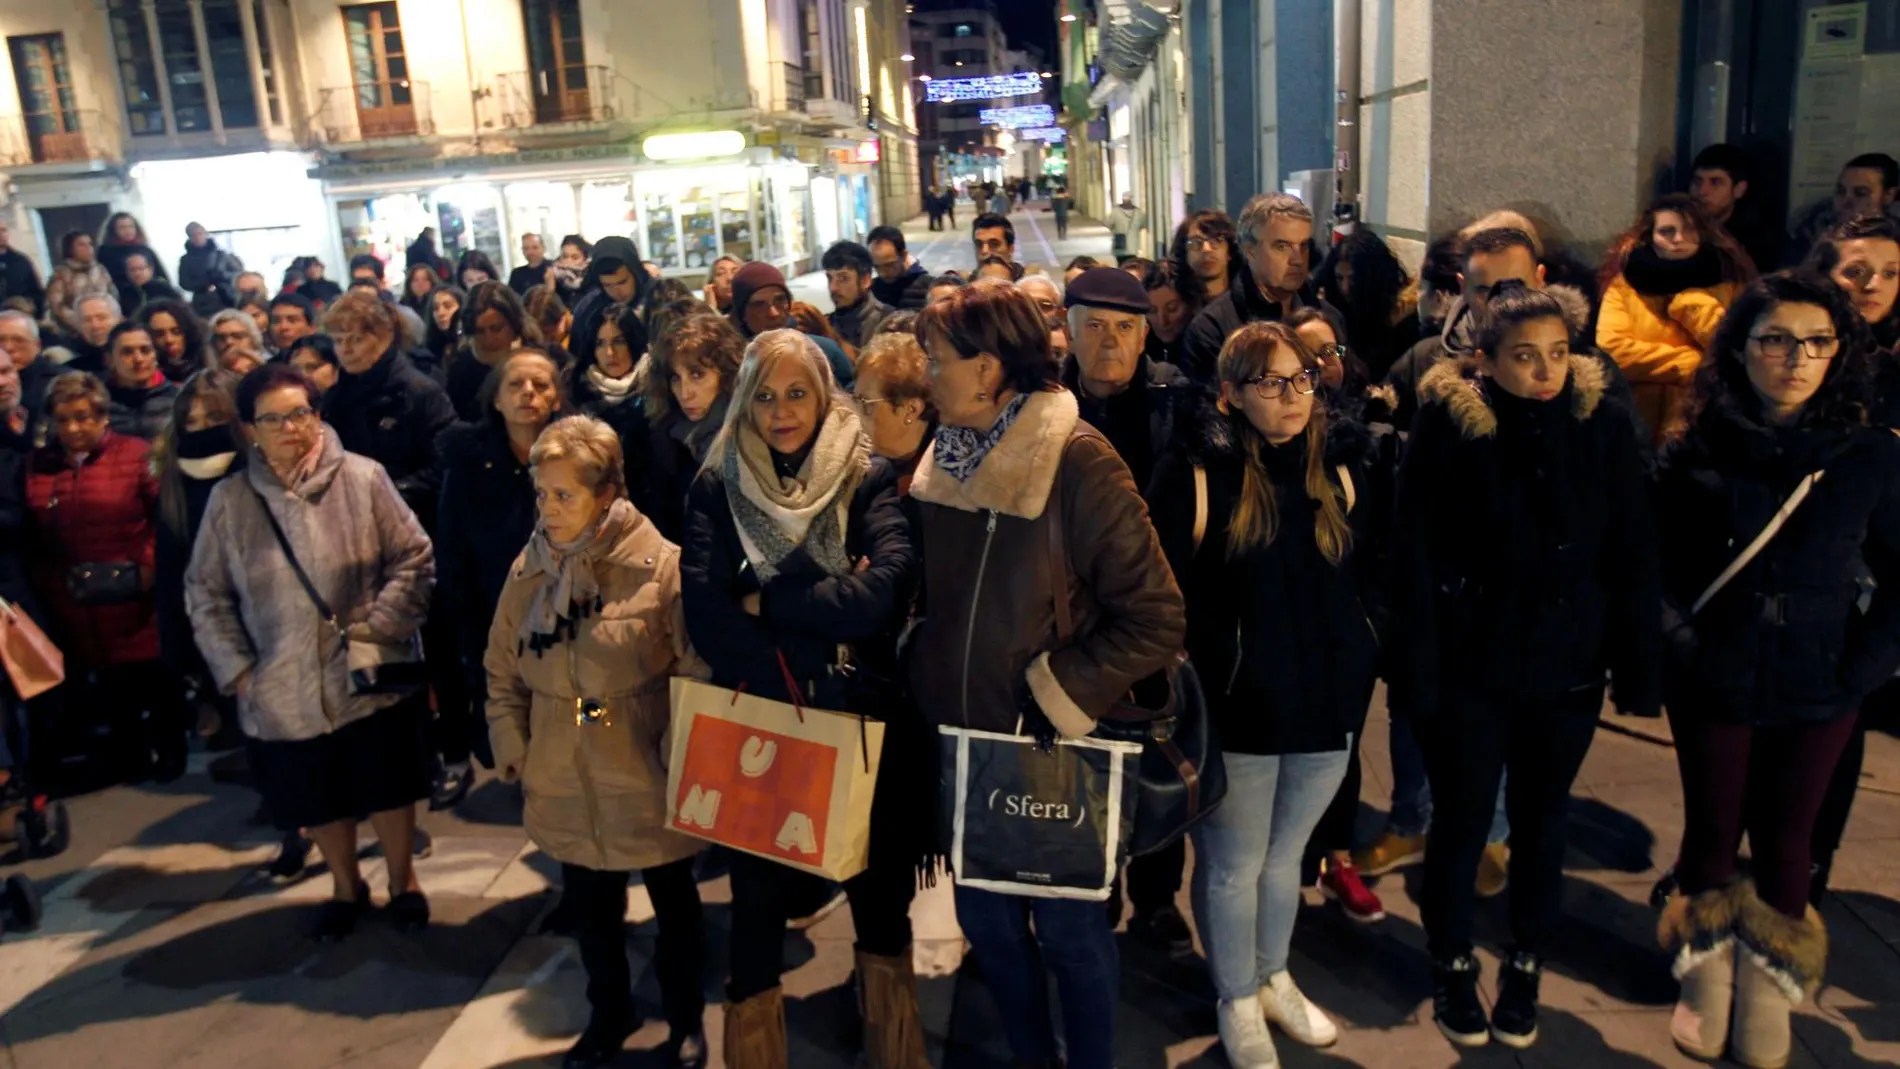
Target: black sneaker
<point>1514,1018</point>
<point>293,858</point>
<point>603,1040</point>
<point>450,787</point>
<point>1455,1005</point>
<point>1164,929</point>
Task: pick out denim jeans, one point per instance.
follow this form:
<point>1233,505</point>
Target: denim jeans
<point>1074,941</point>
<point>1412,792</point>
<point>1247,853</point>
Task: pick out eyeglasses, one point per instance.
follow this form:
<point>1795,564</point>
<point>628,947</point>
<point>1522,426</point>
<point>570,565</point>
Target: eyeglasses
<point>866,402</point>
<point>1274,387</point>
<point>277,421</point>
<point>1334,353</point>
<point>1198,244</point>
<point>1776,346</point>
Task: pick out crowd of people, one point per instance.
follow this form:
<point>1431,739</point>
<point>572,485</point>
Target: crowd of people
<point>375,537</point>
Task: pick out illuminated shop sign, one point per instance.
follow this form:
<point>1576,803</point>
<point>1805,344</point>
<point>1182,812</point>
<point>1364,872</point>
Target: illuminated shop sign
<point>990,87</point>
<point>1018,117</point>
<point>1041,133</point>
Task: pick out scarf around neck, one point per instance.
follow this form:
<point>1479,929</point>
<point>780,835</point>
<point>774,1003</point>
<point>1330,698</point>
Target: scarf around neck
<point>612,389</point>
<point>960,450</point>
<point>776,516</point>
<point>569,591</point>
<point>1653,276</point>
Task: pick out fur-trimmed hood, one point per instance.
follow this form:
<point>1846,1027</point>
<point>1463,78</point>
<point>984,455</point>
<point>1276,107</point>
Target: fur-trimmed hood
<point>1460,332</point>
<point>1457,385</point>
<point>1016,476</point>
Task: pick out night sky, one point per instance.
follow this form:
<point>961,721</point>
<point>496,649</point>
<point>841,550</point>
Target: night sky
<point>1031,22</point>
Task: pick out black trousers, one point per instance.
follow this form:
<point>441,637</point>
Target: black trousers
<point>599,902</point>
<point>1467,747</point>
<point>1155,879</point>
<point>1336,827</point>
<point>880,908</point>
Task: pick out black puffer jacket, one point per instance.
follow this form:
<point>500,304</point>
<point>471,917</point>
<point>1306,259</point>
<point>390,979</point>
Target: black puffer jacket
<point>1140,421</point>
<point>1284,639</point>
<point>1241,304</point>
<point>142,411</point>
<point>393,415</point>
<point>1524,551</point>
<point>484,520</point>
<point>209,275</point>
<point>1783,642</point>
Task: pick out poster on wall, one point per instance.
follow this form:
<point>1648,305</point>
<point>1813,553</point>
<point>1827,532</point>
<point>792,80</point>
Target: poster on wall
<point>1827,96</point>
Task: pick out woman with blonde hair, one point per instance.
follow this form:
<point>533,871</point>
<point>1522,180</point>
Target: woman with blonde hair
<point>797,567</point>
<point>587,632</point>
<point>893,395</point>
<point>1280,572</point>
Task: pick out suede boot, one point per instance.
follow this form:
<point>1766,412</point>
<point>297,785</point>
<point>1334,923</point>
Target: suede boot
<point>755,1032</point>
<point>1759,1035</point>
<point>1778,962</point>
<point>1701,930</point>
<point>887,1001</point>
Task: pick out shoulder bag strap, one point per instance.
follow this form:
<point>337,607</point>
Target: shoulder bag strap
<point>1200,506</point>
<point>295,566</point>
<point>1767,535</point>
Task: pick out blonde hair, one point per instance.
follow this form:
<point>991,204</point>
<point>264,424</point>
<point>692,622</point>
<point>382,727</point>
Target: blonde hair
<point>1247,354</point>
<point>761,355</point>
<point>590,445</point>
<point>898,361</point>
<point>1506,220</point>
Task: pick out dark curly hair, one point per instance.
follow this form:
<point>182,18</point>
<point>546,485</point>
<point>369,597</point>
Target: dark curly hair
<point>1721,384</point>
<point>1826,254</point>
<point>1214,224</point>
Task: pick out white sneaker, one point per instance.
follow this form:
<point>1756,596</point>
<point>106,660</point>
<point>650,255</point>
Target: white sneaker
<point>1243,1034</point>
<point>1283,1003</point>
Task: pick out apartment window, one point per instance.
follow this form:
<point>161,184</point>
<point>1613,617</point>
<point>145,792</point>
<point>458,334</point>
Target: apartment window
<point>230,63</point>
<point>46,97</point>
<point>379,69</point>
<point>557,60</point>
<point>264,57</point>
<point>184,68</point>
<point>811,40</point>
<point>138,70</point>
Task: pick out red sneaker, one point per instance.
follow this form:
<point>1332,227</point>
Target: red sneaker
<point>1341,883</point>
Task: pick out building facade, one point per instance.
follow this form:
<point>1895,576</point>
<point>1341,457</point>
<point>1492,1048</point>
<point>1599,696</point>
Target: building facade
<point>755,128</point>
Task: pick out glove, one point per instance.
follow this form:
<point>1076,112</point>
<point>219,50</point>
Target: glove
<point>1034,724</point>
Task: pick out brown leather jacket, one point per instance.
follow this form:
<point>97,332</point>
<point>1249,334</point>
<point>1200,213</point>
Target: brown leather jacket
<point>989,630</point>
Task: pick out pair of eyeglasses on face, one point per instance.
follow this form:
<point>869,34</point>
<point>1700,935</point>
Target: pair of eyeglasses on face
<point>1200,244</point>
<point>1333,354</point>
<point>277,421</point>
<point>1274,387</point>
<point>865,403</point>
<point>1777,346</point>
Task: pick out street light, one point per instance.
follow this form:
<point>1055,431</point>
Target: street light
<point>907,57</point>
<point>1048,74</point>
<point>1070,17</point>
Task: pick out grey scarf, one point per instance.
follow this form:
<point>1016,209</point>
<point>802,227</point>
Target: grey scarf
<point>569,592</point>
<point>777,516</point>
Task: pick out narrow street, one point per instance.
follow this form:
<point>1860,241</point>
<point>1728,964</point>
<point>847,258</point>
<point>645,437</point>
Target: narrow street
<point>163,946</point>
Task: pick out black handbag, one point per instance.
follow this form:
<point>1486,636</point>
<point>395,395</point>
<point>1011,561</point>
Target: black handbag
<point>375,667</point>
<point>112,582</point>
<point>1183,778</point>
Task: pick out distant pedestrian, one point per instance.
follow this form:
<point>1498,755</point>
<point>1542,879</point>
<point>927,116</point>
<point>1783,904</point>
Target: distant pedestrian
<point>1126,222</point>
<point>1059,204</point>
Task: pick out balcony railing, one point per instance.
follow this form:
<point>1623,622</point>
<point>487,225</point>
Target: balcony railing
<point>373,111</point>
<point>576,94</point>
<point>72,136</point>
<point>788,87</point>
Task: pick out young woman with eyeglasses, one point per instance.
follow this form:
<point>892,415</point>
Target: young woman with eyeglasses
<point>1525,578</point>
<point>1767,670</point>
<point>1282,588</point>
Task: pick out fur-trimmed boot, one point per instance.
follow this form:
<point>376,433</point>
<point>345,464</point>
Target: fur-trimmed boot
<point>1778,962</point>
<point>755,1032</point>
<point>887,1000</point>
<point>1700,929</point>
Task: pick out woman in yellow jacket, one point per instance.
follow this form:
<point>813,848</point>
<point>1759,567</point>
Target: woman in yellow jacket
<point>586,636</point>
<point>1666,284</point>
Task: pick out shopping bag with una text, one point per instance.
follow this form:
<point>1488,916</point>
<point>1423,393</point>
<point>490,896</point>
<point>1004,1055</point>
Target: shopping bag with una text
<point>785,783</point>
<point>1024,822</point>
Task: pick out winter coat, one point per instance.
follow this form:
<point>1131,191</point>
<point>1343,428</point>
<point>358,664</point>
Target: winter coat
<point>1242,303</point>
<point>660,467</point>
<point>393,415</point>
<point>527,276</point>
<point>363,549</point>
<point>1658,340</point>
<point>805,614</point>
<point>596,793</point>
<point>987,642</point>
<point>486,514</point>
<point>462,379</point>
<point>322,290</point>
<point>422,251</point>
<point>592,303</point>
<point>101,510</point>
<point>207,269</point>
<point>20,278</point>
<point>1525,559</point>
<point>1140,421</point>
<point>132,298</point>
<point>908,292</point>
<point>176,643</point>
<point>112,257</point>
<point>1284,639</point>
<point>144,411</point>
<point>16,451</point>
<point>1784,642</point>
<point>73,282</point>
<point>857,323</point>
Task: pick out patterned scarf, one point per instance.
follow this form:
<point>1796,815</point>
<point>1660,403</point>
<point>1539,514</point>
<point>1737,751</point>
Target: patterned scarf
<point>960,450</point>
<point>777,516</point>
<point>569,592</point>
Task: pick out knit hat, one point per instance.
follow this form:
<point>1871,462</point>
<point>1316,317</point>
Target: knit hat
<point>750,279</point>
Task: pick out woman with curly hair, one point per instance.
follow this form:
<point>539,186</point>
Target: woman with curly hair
<point>1365,281</point>
<point>1666,283</point>
<point>1775,501</point>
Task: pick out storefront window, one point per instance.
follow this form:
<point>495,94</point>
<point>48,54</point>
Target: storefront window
<point>662,244</point>
<point>382,226</point>
<point>735,223</point>
<point>468,217</point>
<point>606,209</point>
<point>697,230</point>
<point>824,208</point>
<point>544,208</point>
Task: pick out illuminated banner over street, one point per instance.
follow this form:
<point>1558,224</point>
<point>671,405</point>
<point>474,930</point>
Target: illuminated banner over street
<point>1041,133</point>
<point>990,87</point>
<point>1019,117</point>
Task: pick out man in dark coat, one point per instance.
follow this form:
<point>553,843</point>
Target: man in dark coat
<point>1276,246</point>
<point>393,414</point>
<point>856,311</point>
<point>534,270</point>
<point>901,281</point>
<point>207,273</point>
<point>614,276</point>
<point>18,276</point>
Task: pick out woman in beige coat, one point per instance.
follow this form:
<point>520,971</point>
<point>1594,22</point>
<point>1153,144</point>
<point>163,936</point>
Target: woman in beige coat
<point>586,636</point>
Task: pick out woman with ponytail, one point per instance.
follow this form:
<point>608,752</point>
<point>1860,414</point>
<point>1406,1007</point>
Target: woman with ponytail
<point>1277,560</point>
<point>1525,576</point>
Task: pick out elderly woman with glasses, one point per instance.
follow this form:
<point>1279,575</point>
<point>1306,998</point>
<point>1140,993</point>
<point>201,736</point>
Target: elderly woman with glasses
<point>307,565</point>
<point>588,631</point>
